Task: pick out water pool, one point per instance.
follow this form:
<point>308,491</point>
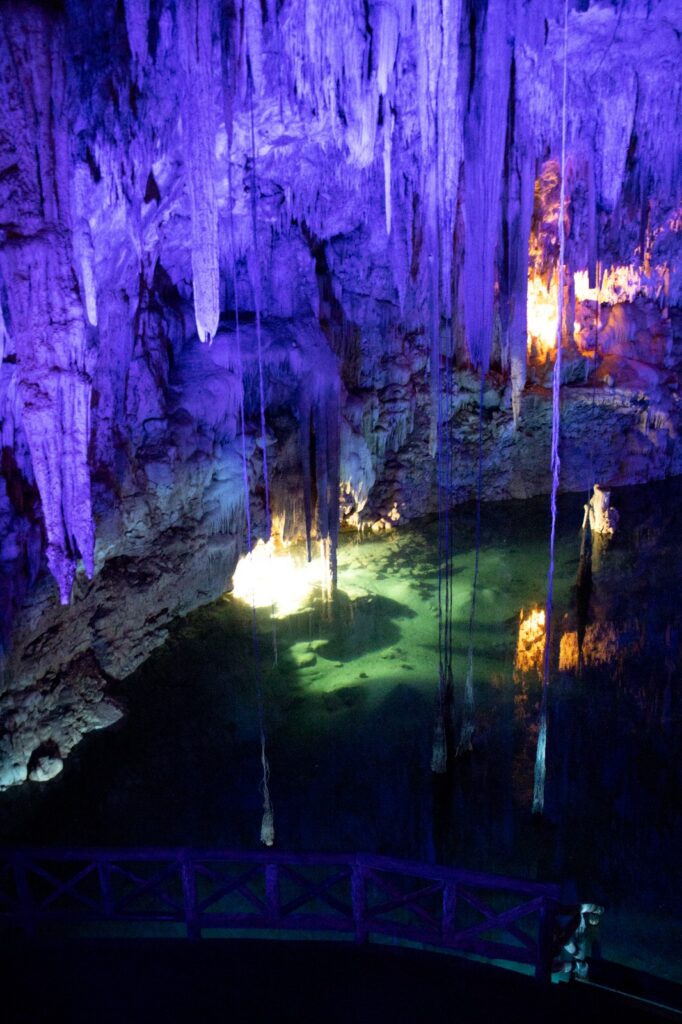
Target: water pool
<point>349,714</point>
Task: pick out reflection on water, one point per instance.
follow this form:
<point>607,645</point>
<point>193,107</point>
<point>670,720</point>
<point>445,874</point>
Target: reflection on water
<point>530,646</point>
<point>350,700</point>
<point>601,646</point>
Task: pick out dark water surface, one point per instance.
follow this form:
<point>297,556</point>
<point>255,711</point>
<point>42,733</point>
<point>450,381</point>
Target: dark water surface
<point>349,715</point>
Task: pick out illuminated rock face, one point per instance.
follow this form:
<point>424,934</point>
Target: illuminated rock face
<point>386,154</point>
<point>378,179</point>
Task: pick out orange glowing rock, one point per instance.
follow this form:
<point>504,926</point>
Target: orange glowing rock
<point>530,644</point>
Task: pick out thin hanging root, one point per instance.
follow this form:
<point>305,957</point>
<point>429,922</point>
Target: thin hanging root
<point>541,752</point>
<point>540,766</point>
<point>439,751</point>
<point>467,731</point>
<point>267,828</point>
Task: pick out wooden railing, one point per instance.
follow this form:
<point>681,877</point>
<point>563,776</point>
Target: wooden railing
<point>360,896</point>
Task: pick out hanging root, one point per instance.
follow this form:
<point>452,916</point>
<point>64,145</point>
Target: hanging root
<point>267,828</point>
<point>467,731</point>
<point>439,751</point>
<point>540,767</point>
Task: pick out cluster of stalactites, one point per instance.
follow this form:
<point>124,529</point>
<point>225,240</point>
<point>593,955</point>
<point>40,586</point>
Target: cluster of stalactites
<point>485,133</point>
<point>470,152</point>
<point>46,317</point>
<point>199,125</point>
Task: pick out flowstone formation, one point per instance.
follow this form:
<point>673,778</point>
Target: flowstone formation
<point>368,193</point>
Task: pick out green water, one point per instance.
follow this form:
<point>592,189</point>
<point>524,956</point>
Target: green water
<point>350,688</point>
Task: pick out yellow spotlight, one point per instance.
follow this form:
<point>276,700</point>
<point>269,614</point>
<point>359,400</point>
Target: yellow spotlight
<point>282,581</point>
<point>542,315</point>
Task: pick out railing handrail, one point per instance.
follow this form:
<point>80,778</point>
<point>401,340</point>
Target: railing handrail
<point>190,886</point>
<point>380,863</point>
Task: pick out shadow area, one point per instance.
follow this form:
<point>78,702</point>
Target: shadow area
<point>349,628</point>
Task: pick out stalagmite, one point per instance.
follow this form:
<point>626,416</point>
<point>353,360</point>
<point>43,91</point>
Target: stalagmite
<point>598,513</point>
<point>195,18</point>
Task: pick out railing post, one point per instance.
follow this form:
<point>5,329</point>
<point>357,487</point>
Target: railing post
<point>449,910</point>
<point>104,872</point>
<point>24,895</point>
<point>359,900</point>
<point>543,966</point>
<point>189,892</point>
<point>272,891</point>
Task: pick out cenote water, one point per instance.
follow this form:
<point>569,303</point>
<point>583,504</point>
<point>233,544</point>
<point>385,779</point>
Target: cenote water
<point>349,712</point>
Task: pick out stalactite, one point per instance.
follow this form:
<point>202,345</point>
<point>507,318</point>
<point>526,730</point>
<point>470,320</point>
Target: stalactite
<point>4,334</point>
<point>54,355</point>
<point>195,18</point>
<point>518,283</point>
<point>485,132</point>
<point>519,196</point>
<point>449,143</point>
<point>137,26</point>
<point>319,417</point>
<point>330,414</point>
<point>386,27</point>
<point>616,120</point>
<point>592,243</point>
<point>305,438</point>
<point>82,244</point>
<point>253,37</point>
<point>257,298</point>
<point>389,124</point>
<point>240,365</point>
